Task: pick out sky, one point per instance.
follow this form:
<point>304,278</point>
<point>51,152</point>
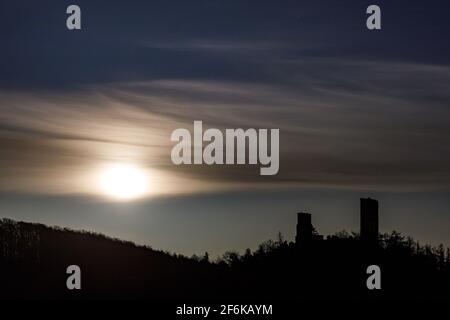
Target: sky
<point>361,113</point>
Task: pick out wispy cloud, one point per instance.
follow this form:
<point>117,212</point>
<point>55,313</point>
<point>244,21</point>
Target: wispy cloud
<point>216,46</point>
<point>342,123</point>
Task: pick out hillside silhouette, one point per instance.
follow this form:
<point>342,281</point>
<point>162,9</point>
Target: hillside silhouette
<point>34,258</point>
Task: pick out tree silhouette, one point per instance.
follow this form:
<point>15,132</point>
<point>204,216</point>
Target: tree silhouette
<point>34,258</point>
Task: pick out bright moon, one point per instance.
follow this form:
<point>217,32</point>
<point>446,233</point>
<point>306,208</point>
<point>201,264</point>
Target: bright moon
<point>123,182</point>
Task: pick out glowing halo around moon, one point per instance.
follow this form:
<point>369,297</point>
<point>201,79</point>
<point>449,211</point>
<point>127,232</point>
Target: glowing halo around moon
<point>123,182</point>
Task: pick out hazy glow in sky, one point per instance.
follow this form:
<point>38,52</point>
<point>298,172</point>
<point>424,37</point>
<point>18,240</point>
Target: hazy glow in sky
<point>124,182</point>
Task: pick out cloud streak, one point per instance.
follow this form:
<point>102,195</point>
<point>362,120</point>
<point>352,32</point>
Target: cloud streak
<point>358,124</point>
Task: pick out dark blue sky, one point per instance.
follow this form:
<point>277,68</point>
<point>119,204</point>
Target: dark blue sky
<point>220,40</point>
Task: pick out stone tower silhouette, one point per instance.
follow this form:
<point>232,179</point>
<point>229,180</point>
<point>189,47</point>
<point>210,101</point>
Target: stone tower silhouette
<point>369,220</point>
<point>304,228</point>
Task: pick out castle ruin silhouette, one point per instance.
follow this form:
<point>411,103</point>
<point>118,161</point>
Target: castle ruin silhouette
<point>307,234</point>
